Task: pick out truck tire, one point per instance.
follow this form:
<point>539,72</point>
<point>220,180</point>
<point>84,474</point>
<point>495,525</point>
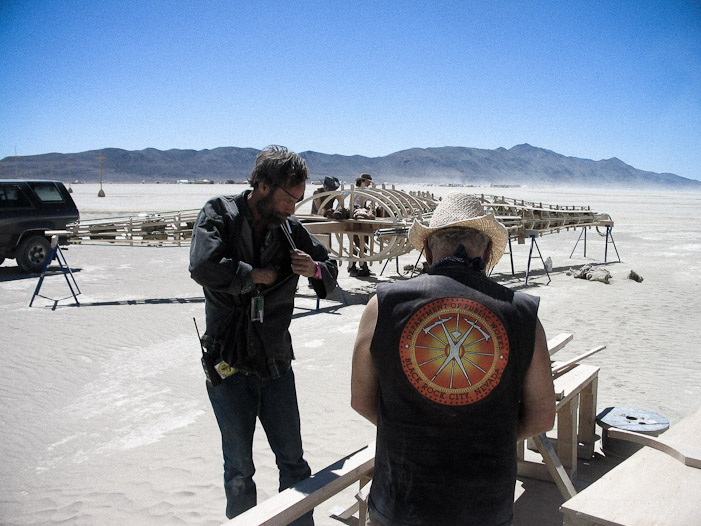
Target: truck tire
<point>33,253</point>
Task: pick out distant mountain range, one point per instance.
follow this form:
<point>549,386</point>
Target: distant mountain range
<point>521,165</point>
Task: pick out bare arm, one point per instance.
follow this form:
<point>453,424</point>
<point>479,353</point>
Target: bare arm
<point>364,383</point>
<point>537,414</point>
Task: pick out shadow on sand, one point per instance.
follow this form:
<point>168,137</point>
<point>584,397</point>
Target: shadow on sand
<point>15,274</point>
<point>540,501</point>
<point>149,301</point>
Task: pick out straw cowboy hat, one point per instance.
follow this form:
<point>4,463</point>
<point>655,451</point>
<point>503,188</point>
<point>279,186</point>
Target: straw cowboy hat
<point>461,209</point>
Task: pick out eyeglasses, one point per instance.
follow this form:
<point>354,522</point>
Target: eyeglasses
<point>288,193</point>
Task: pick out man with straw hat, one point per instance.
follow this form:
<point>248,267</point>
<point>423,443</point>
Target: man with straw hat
<point>453,368</point>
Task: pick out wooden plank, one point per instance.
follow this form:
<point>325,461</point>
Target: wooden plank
<point>557,471</point>
<point>342,514</point>
<point>534,470</point>
<point>558,342</point>
<point>567,435</point>
<point>292,503</point>
<point>362,499</point>
<point>562,367</point>
<point>347,225</point>
<point>586,431</point>
<point>641,491</point>
<point>574,381</point>
<point>686,456</point>
<point>649,488</point>
<point>360,504</point>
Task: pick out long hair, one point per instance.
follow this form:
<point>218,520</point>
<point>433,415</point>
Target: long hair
<point>277,166</point>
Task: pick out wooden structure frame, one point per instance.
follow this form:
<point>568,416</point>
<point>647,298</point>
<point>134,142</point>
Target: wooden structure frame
<point>367,240</point>
<point>352,239</point>
<point>161,228</point>
<point>524,219</point>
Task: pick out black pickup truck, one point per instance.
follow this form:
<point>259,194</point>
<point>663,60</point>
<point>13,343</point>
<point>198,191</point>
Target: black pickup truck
<point>28,209</point>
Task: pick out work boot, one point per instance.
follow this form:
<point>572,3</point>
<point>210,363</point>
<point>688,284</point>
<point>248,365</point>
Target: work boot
<point>364,271</point>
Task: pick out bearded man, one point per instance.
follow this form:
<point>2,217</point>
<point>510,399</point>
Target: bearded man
<point>248,252</point>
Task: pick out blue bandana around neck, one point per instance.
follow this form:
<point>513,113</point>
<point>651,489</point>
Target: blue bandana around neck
<point>477,264</point>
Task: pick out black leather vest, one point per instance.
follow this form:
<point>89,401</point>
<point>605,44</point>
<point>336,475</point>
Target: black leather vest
<point>451,349</point>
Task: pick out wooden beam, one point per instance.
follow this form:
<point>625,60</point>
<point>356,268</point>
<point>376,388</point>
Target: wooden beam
<point>562,367</point>
<point>292,503</point>
<point>686,456</point>
<point>558,342</point>
<point>567,436</point>
<point>557,471</point>
<point>574,382</point>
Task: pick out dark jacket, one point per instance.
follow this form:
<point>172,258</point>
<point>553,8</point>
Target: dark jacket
<point>221,259</point>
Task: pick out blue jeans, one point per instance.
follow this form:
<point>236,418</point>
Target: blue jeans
<point>237,401</point>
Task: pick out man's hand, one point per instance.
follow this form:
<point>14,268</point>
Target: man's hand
<point>264,276</point>
<point>302,263</point>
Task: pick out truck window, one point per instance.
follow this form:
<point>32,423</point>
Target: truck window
<point>47,192</point>
<point>11,196</point>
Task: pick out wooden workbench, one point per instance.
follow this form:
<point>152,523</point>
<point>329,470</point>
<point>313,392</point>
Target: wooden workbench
<point>576,388</point>
<point>651,488</point>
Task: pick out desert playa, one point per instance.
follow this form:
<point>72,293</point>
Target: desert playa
<point>104,414</point>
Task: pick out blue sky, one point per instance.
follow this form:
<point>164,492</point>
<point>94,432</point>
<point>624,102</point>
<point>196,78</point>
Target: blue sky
<point>586,79</point>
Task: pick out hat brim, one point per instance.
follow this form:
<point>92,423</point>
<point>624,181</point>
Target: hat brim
<point>487,224</point>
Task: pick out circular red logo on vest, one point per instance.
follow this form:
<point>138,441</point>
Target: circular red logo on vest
<point>454,351</point>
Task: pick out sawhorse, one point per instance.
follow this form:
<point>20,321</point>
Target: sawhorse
<point>530,255</point>
<point>609,236</point>
<point>57,254</point>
